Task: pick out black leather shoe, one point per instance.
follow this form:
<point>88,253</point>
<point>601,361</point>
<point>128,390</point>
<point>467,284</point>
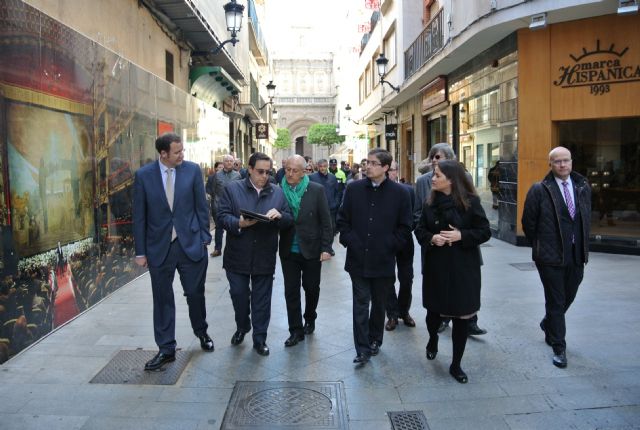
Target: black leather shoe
<point>459,375</point>
<point>237,337</point>
<point>361,359</point>
<point>375,347</point>
<point>159,360</point>
<point>443,326</point>
<point>474,330</point>
<point>294,339</point>
<point>432,348</point>
<point>408,321</point>
<point>206,343</point>
<point>261,348</point>
<point>391,325</point>
<point>560,359</point>
<point>309,327</point>
<point>543,327</point>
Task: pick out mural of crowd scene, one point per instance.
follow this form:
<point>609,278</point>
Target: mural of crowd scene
<point>76,122</point>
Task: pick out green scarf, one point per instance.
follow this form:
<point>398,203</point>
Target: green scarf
<point>294,195</point>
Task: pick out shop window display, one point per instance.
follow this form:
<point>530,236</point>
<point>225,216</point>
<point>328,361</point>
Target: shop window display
<point>607,153</point>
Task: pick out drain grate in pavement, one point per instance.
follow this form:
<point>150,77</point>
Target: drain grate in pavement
<point>408,420</point>
<point>286,405</point>
<point>525,267</point>
<point>127,367</point>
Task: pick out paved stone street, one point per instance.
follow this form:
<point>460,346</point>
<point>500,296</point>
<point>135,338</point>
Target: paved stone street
<point>512,383</point>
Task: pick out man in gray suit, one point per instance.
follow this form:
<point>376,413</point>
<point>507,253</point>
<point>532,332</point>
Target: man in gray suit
<point>303,246</point>
<point>439,151</point>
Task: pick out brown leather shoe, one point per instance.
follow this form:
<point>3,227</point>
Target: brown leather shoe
<point>391,325</point>
<point>408,321</point>
<point>216,253</point>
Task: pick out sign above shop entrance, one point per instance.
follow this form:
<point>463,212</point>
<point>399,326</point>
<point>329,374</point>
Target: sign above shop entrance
<point>434,93</point>
<point>262,130</point>
<point>598,69</point>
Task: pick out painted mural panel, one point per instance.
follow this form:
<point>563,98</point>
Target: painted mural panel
<point>50,172</point>
<point>76,122</point>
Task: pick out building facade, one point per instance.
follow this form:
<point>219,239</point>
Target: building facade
<point>503,82</point>
<point>306,96</point>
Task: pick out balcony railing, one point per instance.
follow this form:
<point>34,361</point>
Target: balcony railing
<point>430,41</point>
<point>253,19</point>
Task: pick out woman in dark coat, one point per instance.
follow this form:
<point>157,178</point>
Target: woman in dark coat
<point>451,228</point>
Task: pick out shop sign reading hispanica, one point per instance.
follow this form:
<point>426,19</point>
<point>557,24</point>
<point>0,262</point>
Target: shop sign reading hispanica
<point>598,70</point>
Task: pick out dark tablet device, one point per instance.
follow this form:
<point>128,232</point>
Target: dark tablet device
<point>254,215</point>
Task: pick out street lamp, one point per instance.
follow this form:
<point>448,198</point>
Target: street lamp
<point>271,92</point>
<point>274,114</point>
<point>381,62</point>
<point>348,108</point>
<point>233,16</point>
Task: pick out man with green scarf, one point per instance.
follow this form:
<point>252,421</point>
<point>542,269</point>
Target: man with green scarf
<point>304,246</point>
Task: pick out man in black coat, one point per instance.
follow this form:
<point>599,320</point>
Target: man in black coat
<point>303,246</point>
<point>374,222</point>
<point>331,188</point>
<point>398,304</point>
<point>556,221</point>
<point>250,252</point>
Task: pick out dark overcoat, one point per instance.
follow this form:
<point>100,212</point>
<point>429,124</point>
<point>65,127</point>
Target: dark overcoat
<point>374,224</point>
<point>452,282</point>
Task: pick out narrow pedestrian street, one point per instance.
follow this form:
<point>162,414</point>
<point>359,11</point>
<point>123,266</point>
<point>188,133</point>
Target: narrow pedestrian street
<point>512,382</point>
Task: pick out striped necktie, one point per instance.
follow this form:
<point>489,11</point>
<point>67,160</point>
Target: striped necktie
<point>568,199</point>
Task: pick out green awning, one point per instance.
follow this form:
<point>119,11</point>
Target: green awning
<point>212,84</point>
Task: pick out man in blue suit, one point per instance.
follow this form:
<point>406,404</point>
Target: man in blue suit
<point>171,231</point>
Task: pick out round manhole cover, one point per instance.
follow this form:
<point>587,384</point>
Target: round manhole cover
<point>288,405</point>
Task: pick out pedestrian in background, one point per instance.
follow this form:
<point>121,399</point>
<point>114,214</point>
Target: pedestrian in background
<point>451,228</point>
<point>331,189</point>
<point>220,180</point>
<point>398,305</point>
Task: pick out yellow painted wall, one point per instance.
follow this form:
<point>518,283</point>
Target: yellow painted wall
<point>123,27</point>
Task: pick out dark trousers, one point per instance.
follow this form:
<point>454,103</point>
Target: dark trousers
<point>217,237</point>
<point>560,288</point>
<point>192,276</point>
<point>252,305</point>
<point>298,271</point>
<point>368,325</point>
<point>334,215</point>
<point>398,305</point>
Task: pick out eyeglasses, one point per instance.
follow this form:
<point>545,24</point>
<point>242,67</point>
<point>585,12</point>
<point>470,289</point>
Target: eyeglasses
<point>563,161</point>
<point>309,170</point>
<point>262,171</point>
<point>374,162</point>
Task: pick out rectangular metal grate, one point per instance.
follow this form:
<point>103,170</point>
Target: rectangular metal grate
<point>408,420</point>
<point>525,267</point>
<point>278,405</point>
<point>127,367</point>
